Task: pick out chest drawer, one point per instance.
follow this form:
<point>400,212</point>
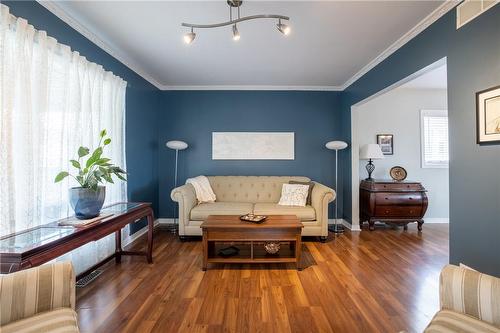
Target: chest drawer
<point>398,211</point>
<point>381,187</point>
<point>402,198</point>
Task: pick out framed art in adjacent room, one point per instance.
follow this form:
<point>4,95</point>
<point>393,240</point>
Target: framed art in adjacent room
<point>386,143</point>
<point>488,115</point>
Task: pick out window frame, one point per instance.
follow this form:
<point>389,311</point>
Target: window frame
<point>431,113</point>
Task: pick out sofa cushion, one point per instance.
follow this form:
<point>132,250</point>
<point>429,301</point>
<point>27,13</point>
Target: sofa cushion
<point>311,186</point>
<point>201,212</point>
<point>306,213</point>
<point>59,320</point>
<point>250,189</point>
<point>450,321</point>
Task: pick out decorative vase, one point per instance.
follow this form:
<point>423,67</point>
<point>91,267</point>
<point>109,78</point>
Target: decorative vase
<point>272,247</point>
<point>86,202</point>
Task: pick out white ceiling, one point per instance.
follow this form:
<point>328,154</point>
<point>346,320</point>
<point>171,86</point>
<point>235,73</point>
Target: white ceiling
<point>433,79</point>
<point>330,42</point>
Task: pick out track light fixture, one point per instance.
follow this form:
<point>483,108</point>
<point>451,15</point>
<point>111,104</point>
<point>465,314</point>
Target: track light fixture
<point>236,33</point>
<point>189,37</point>
<point>283,28</point>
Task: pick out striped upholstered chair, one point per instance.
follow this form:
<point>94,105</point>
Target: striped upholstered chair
<point>40,299</point>
<point>470,302</point>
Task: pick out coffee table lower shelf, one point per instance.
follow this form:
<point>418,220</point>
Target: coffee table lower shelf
<point>252,252</point>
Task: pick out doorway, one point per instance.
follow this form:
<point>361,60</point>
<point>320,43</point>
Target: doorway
<point>413,112</point>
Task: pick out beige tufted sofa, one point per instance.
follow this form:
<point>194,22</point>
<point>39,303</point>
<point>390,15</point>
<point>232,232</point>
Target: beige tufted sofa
<point>239,195</point>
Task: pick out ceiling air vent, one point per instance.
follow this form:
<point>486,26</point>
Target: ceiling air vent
<point>470,9</point>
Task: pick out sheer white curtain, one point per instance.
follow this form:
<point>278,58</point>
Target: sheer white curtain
<point>52,101</point>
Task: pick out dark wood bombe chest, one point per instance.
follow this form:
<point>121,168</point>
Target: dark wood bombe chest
<point>392,202</point>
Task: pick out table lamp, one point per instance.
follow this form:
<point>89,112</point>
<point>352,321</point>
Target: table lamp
<point>370,152</point>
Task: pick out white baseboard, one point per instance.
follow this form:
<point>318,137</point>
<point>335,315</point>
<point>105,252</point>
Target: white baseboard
<point>163,221</point>
<point>345,224</point>
<point>436,220</point>
<point>135,236</point>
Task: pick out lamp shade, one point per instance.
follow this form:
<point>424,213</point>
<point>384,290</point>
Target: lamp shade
<point>336,145</point>
<point>177,145</point>
<point>371,151</point>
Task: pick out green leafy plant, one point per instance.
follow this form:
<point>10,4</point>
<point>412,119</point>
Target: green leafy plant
<point>96,169</point>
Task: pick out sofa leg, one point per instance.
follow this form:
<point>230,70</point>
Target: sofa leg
<point>323,239</point>
<point>183,238</point>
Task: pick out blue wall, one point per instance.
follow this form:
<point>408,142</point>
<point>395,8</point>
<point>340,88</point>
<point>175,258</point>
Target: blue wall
<point>192,116</point>
<point>153,117</point>
<point>473,60</point>
<point>142,100</point>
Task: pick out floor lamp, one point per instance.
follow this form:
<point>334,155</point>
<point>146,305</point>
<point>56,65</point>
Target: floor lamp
<point>176,145</point>
<point>336,145</point>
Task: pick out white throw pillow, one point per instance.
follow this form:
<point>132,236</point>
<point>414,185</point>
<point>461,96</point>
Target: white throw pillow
<point>294,195</point>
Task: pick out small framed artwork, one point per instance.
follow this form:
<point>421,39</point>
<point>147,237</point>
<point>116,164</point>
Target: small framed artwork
<point>385,141</point>
<point>488,115</point>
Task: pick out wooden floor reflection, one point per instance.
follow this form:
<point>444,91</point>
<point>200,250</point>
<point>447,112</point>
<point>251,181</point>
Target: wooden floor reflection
<point>380,281</point>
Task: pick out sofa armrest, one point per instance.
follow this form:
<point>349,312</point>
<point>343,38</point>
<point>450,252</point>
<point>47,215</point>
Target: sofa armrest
<point>320,198</point>
<point>26,293</point>
<point>185,195</point>
<point>469,292</point>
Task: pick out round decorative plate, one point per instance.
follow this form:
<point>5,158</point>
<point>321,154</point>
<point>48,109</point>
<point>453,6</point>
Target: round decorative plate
<point>398,173</point>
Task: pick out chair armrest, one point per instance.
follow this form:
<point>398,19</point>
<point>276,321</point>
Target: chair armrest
<point>469,292</point>
<point>26,293</point>
<point>321,196</point>
<point>185,195</point>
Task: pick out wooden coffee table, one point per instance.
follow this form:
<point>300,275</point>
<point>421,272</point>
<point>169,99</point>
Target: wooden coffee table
<point>220,231</point>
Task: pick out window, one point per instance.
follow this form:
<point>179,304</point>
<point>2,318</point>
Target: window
<point>52,100</point>
<point>434,136</point>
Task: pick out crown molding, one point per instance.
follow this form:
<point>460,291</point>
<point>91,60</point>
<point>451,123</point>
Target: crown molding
<point>254,87</point>
<point>421,26</point>
<point>72,22</point>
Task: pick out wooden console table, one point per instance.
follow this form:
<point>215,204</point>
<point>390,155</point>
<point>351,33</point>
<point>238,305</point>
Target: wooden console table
<point>250,238</point>
<point>392,202</point>
<point>43,243</point>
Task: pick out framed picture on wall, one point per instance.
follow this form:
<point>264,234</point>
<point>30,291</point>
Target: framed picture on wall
<point>488,115</point>
<point>385,141</point>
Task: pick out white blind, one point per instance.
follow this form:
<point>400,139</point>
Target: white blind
<point>434,138</point>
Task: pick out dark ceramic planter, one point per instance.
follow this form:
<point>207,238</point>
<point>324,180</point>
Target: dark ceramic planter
<point>86,202</point>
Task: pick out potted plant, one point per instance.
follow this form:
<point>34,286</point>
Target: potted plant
<point>92,174</point>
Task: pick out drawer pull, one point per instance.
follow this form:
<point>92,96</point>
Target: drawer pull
<point>386,198</point>
<point>410,198</point>
<point>386,211</point>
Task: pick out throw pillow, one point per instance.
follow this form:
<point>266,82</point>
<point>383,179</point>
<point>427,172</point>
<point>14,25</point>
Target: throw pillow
<point>293,195</point>
<point>309,195</point>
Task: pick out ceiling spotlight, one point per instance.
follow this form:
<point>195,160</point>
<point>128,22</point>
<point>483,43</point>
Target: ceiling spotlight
<point>189,37</point>
<point>234,5</point>
<point>236,33</point>
<point>283,28</point>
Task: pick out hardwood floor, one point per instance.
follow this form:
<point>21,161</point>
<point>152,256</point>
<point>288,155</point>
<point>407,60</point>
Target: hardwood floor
<point>380,281</point>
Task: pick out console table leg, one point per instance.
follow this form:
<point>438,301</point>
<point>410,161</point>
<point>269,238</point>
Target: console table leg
<point>118,246</point>
<point>405,227</point>
<point>150,238</point>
